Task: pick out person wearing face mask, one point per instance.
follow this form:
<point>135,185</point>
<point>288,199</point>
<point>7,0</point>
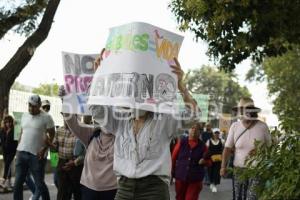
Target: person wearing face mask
<point>188,160</point>
<point>98,180</point>
<point>241,138</point>
<point>142,159</point>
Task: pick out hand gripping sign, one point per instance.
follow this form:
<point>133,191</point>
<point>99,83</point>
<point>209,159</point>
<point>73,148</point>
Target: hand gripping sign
<point>78,74</point>
<point>135,71</point>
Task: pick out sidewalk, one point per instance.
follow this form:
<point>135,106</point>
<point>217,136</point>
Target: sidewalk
<point>224,191</point>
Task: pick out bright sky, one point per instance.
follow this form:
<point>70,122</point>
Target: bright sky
<point>82,27</point>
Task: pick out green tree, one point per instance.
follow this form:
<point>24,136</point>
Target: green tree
<point>278,165</point>
<point>283,78</point>
<point>47,89</point>
<point>18,86</point>
<point>223,89</point>
<point>236,30</point>
<point>23,17</point>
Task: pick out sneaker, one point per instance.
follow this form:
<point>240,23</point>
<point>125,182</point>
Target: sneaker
<point>214,189</point>
<point>7,183</point>
<point>2,183</point>
<point>211,186</point>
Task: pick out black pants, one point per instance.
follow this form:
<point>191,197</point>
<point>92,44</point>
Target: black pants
<point>68,182</point>
<point>89,194</point>
<point>214,173</point>
<point>7,158</point>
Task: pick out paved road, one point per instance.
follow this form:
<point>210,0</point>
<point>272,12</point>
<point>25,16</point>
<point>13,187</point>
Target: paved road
<point>224,191</point>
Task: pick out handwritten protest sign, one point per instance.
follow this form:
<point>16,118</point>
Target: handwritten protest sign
<point>135,71</point>
<point>78,74</point>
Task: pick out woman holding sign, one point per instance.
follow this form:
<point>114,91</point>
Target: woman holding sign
<point>142,159</point>
<point>98,180</point>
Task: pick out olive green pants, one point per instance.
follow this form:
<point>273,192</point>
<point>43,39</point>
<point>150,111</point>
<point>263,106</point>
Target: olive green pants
<point>147,188</point>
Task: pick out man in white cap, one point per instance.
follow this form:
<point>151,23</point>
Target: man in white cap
<point>32,146</point>
<point>46,105</point>
<point>241,138</point>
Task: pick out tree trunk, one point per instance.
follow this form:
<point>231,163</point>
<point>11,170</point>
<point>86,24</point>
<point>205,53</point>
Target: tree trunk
<point>23,55</point>
<point>4,97</point>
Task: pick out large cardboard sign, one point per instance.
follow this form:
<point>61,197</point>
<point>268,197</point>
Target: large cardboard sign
<point>135,71</point>
<point>78,74</point>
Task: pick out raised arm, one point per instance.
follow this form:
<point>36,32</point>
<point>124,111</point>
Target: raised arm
<point>187,97</point>
<point>82,131</point>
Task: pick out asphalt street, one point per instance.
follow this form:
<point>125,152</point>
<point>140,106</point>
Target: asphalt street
<point>224,191</point>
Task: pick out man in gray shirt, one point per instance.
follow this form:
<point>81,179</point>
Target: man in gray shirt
<point>32,146</point>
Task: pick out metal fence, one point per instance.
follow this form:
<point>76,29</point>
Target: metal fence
<point>18,102</point>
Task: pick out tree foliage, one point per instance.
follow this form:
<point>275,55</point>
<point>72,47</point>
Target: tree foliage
<point>47,89</point>
<point>282,76</point>
<point>224,91</point>
<point>23,18</point>
<point>277,168</point>
<point>25,52</point>
<point>278,165</point>
<point>20,87</point>
<point>236,30</point>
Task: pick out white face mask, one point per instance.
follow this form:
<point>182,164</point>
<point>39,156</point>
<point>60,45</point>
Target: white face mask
<point>136,113</point>
<point>123,110</point>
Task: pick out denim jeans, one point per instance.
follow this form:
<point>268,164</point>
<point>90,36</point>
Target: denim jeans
<point>30,183</point>
<point>55,177</point>
<point>37,194</point>
<point>27,162</point>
